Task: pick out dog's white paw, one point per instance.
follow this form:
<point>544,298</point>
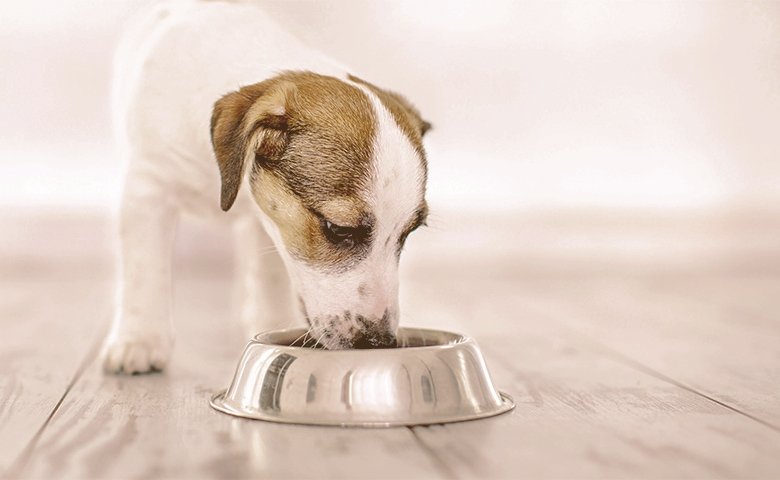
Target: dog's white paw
<point>136,354</point>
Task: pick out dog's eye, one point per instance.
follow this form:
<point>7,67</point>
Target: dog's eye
<point>344,236</point>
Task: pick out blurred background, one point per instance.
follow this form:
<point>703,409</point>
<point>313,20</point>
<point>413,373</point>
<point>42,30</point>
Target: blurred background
<point>595,131</point>
<point>536,105</point>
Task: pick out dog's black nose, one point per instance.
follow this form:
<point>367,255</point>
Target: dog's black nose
<point>373,340</point>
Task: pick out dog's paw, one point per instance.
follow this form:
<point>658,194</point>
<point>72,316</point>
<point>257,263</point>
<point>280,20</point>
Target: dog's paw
<point>136,354</point>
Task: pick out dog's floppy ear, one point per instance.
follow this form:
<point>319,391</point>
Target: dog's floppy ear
<point>398,106</point>
<point>247,124</point>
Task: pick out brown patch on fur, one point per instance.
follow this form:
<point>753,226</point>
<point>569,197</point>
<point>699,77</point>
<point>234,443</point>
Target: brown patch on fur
<point>404,113</point>
<point>299,226</point>
<point>332,129</point>
<point>233,130</point>
<point>309,139</point>
<point>344,211</point>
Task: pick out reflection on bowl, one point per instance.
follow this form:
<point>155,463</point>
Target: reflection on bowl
<point>437,377</point>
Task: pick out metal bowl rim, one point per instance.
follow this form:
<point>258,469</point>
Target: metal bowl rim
<point>461,340</point>
<point>217,402</point>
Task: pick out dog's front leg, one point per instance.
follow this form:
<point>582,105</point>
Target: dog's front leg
<point>263,291</point>
<point>141,335</point>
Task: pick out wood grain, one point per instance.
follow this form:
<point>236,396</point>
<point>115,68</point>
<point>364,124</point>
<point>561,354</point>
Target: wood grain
<point>582,413</point>
<point>48,326</point>
<point>716,343</point>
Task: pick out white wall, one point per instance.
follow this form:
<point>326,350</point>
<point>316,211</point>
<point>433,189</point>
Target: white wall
<point>671,105</point>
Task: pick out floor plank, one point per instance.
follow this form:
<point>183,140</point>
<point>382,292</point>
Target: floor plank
<point>709,343</point>
<point>43,348</point>
<point>580,412</point>
<point>608,422</point>
<point>156,426</point>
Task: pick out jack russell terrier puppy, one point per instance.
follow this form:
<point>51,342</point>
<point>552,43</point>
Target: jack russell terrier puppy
<point>322,174</point>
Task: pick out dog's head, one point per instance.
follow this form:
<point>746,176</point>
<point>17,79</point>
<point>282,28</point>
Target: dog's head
<point>339,171</point>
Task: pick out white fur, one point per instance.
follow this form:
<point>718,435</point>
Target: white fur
<point>396,190</point>
<point>170,70</point>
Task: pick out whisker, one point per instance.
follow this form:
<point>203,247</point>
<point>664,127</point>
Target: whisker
<point>438,223</point>
<point>317,342</point>
<point>266,253</point>
<point>306,337</point>
<point>301,336</point>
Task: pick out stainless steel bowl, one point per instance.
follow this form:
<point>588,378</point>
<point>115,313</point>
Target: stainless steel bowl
<point>435,377</point>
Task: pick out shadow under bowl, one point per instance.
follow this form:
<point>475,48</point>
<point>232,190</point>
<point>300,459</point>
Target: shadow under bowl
<point>432,377</point>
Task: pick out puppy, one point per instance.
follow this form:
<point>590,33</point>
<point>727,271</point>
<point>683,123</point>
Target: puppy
<point>317,166</point>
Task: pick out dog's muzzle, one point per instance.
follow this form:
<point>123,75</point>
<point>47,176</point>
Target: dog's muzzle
<point>367,332</point>
<point>372,339</point>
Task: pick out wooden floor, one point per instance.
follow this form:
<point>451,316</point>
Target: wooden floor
<point>634,348</point>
